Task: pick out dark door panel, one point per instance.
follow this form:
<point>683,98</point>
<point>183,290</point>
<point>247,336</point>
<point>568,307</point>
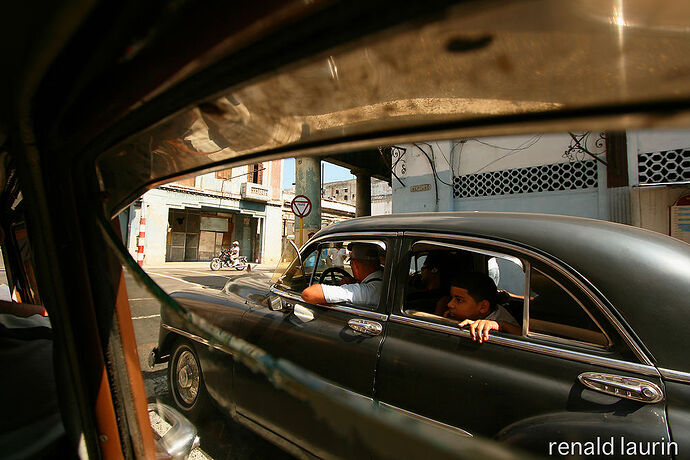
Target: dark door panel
<point>317,339</point>
<point>499,391</point>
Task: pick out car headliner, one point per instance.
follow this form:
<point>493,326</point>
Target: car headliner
<point>645,276</point>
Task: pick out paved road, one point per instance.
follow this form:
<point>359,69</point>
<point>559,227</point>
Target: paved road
<point>220,437</point>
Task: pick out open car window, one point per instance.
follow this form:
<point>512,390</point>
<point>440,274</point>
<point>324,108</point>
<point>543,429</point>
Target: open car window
<point>434,266</point>
<point>554,312</point>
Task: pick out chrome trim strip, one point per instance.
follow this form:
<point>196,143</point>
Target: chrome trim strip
<point>608,339</point>
<point>676,376</point>
<point>421,418</point>
<point>198,339</point>
<point>351,310</point>
<point>536,348</point>
<point>351,236</point>
<point>525,303</point>
<point>593,297</point>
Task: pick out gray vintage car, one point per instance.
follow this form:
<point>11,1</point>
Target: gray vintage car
<point>599,368</point>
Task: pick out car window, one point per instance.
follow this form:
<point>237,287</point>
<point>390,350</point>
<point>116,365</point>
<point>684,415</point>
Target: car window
<point>334,261</point>
<point>334,267</point>
<point>555,312</point>
<point>296,277</point>
<point>433,267</point>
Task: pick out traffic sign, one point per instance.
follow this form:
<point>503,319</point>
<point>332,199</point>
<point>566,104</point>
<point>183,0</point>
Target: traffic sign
<point>301,206</point>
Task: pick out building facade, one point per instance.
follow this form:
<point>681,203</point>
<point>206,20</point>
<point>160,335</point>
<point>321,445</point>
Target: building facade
<point>193,219</point>
<point>338,203</point>
<point>344,192</point>
<point>638,177</point>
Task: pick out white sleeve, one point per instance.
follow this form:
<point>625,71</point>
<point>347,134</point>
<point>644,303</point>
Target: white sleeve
<point>336,294</point>
<point>502,314</point>
<point>361,295</point>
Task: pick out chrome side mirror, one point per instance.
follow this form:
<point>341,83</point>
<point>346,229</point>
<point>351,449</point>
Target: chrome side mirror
<point>180,439</point>
<point>278,304</point>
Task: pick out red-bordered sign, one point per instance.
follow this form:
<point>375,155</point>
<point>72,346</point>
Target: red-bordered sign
<point>301,206</point>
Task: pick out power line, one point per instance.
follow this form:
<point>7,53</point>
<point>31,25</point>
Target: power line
<point>524,146</point>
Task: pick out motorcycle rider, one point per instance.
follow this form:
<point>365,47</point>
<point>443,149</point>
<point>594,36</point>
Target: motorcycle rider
<point>234,253</point>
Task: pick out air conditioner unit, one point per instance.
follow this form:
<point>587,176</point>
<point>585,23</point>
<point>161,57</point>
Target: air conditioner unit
<point>254,192</point>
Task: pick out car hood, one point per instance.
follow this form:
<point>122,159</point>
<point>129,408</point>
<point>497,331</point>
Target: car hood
<point>250,286</point>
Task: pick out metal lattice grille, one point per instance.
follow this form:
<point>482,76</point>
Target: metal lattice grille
<point>545,178</point>
<point>668,166</point>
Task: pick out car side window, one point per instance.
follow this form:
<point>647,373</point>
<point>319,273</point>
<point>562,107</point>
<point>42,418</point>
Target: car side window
<point>333,263</point>
<point>434,266</point>
<point>555,312</point>
<point>351,271</point>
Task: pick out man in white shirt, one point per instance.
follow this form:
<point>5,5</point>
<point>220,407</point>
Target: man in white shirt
<point>338,255</point>
<point>365,292</point>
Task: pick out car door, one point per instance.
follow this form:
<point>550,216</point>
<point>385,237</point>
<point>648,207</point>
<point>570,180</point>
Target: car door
<point>561,380</point>
<point>339,343</point>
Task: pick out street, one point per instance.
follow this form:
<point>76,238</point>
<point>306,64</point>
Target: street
<point>220,437</point>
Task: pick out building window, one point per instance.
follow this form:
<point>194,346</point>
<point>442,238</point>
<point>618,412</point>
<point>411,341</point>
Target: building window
<point>256,173</point>
<point>187,182</point>
<point>225,174</point>
<point>345,197</point>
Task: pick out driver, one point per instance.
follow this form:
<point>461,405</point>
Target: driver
<point>234,252</point>
<point>365,292</point>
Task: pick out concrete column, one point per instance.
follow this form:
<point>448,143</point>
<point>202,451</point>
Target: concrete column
<point>363,189</point>
<point>308,183</point>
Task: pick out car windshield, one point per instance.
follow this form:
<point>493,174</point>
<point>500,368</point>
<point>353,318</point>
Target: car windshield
<point>290,265</point>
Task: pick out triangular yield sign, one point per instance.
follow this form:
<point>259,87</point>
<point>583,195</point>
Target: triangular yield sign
<point>301,206</point>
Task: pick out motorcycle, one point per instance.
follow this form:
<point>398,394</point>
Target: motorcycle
<point>224,260</point>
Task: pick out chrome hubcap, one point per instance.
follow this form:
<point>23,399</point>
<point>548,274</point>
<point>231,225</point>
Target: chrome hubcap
<point>188,379</point>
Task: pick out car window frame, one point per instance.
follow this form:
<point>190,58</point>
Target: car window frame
<point>528,265</point>
<point>382,309</point>
<point>628,355</point>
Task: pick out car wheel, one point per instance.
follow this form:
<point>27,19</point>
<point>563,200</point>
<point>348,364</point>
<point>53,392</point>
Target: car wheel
<point>186,382</point>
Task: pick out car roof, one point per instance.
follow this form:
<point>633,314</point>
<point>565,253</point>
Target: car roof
<point>644,275</point>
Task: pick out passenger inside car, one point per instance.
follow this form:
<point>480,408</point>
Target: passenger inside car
<point>473,301</point>
<point>428,287</point>
<point>363,290</point>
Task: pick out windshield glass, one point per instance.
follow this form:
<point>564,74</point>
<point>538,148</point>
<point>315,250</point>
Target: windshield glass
<point>289,267</point>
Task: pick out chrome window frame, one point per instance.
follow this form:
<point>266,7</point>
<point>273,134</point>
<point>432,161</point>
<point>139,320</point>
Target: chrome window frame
<point>596,299</point>
<point>353,236</point>
<point>541,335</point>
<point>517,342</point>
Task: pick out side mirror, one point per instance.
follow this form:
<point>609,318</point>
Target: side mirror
<point>278,304</point>
<point>180,439</point>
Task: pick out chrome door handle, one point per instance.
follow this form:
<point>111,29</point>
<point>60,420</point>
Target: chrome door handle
<point>623,387</point>
<point>365,326</point>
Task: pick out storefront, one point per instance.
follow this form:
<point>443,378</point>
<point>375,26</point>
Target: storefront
<point>200,235</point>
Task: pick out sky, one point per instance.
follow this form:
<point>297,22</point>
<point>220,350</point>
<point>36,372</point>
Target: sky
<point>332,173</point>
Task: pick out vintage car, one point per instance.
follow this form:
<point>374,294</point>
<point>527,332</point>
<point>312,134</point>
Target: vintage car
<point>102,101</point>
<point>602,353</point>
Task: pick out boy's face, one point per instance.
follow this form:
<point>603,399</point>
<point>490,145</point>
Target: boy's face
<point>463,306</point>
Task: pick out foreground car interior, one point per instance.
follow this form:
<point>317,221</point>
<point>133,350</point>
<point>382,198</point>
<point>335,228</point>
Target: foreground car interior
<point>104,102</point>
